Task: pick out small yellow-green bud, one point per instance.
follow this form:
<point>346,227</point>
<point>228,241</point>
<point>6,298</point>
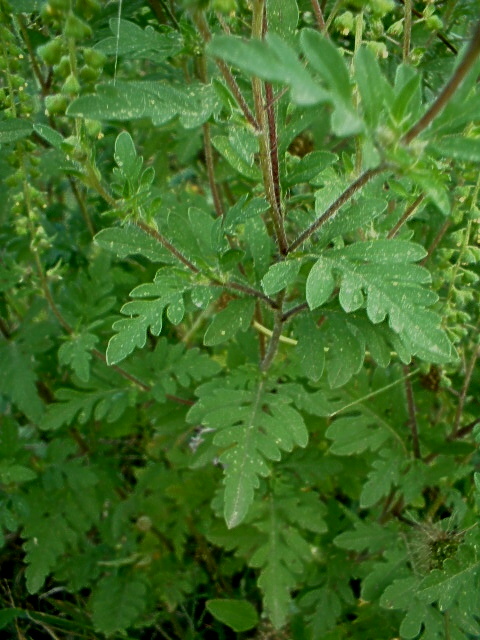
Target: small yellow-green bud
<point>51,52</point>
<point>77,28</point>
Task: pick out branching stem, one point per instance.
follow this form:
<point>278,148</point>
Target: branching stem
<point>449,89</point>
<point>409,211</point>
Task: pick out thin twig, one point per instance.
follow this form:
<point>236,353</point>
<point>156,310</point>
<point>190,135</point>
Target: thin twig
<point>409,211</point>
<point>274,341</point>
<point>81,205</point>
<point>449,90</point>
<point>299,308</point>
<point>207,145</point>
<point>317,10</point>
<point>436,241</point>
<point>273,144</point>
<point>349,192</point>
<point>412,413</point>
<point>167,244</point>
<point>464,391</point>
<point>204,31</point>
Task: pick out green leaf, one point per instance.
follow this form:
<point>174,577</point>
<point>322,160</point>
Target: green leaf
<point>384,475</point>
<point>309,167</point>
<point>374,89</point>
<point>239,615</point>
<point>146,314</point>
<point>282,16</point>
<point>131,39</point>
<point>130,240</point>
<point>53,137</point>
<point>273,60</point>
<point>126,155</point>
<point>15,473</point>
<point>17,380</point>
<point>280,275</point>
<point>14,129</point>
<point>369,536</point>
<point>225,324</point>
<point>76,353</point>
<point>160,101</point>
<point>380,270</point>
<point>117,601</point>
<point>463,149</point>
<point>248,436</point>
<point>224,146</point>
<point>310,349</point>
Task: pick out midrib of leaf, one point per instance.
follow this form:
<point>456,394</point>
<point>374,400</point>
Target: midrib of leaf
<point>249,433</point>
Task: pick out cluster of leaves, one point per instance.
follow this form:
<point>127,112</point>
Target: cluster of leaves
<point>238,319</point>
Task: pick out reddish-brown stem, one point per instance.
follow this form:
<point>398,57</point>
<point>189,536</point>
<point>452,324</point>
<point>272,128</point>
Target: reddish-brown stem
<point>449,90</point>
<point>409,211</point>
<point>273,143</point>
<point>436,241</point>
<point>349,192</point>
<point>299,308</point>
<point>317,10</point>
<point>412,413</point>
<point>168,245</point>
<point>204,31</point>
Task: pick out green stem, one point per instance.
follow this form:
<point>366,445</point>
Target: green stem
<point>449,90</point>
<point>274,341</point>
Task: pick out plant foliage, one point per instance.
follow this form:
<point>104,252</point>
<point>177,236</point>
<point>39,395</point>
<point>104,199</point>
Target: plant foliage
<point>239,258</point>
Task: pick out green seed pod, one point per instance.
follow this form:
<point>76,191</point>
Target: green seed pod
<point>434,23</point>
<point>224,6</point>
<point>71,85</point>
<point>87,8</point>
<point>60,5</point>
<point>77,28</point>
<point>62,69</point>
<point>381,7</point>
<point>56,104</point>
<point>344,23</point>
<point>51,52</point>
<point>93,127</point>
<point>88,74</point>
<point>94,58</point>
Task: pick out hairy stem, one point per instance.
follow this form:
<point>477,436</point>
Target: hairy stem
<point>204,31</point>
<point>267,139</point>
<point>409,211</point>
<point>342,199</point>
<point>167,244</point>
<point>449,89</point>
<point>317,10</point>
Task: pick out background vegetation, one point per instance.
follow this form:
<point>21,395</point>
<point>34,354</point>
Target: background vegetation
<point>239,263</point>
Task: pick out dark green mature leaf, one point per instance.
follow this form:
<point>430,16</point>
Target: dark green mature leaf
<point>252,427</point>
<point>17,380</point>
<point>239,615</point>
<point>467,149</point>
<point>382,272</point>
<point>76,352</point>
<point>280,275</point>
<point>117,601</point>
<point>366,536</point>
<point>13,130</point>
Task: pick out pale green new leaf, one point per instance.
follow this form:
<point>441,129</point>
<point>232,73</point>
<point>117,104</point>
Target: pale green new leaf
<point>144,314</point>
<point>117,601</point>
<point>374,88</point>
<point>252,428</point>
<point>271,59</point>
